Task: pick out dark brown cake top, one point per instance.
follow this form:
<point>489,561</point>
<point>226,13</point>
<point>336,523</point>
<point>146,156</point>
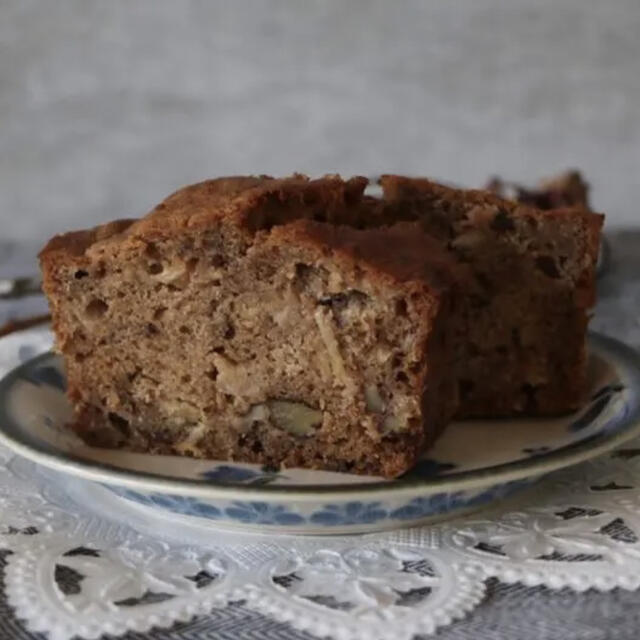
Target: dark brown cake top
<point>261,202</point>
<point>402,253</point>
<point>246,199</point>
<point>293,209</point>
<point>412,196</point>
<point>400,188</point>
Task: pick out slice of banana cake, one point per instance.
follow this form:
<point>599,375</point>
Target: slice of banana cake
<point>250,319</point>
<point>524,316</point>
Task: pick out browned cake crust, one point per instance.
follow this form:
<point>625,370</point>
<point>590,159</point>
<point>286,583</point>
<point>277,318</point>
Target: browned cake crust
<point>525,316</point>
<point>241,319</point>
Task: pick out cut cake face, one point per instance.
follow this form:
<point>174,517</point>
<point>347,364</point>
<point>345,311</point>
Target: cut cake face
<point>248,319</point>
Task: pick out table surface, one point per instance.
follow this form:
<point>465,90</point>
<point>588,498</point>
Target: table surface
<point>107,107</point>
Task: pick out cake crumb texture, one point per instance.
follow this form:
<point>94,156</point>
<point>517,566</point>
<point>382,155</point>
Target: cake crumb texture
<point>251,319</point>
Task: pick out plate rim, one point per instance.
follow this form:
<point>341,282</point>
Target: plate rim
<point>472,479</point>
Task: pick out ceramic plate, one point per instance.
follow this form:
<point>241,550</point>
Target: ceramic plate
<point>472,464</point>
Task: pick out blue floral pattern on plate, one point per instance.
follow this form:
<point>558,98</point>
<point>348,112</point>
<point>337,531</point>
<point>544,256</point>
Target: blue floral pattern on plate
<point>184,505</point>
<point>349,513</point>
<point>329,515</point>
<point>427,506</point>
<point>263,513</point>
<point>440,503</point>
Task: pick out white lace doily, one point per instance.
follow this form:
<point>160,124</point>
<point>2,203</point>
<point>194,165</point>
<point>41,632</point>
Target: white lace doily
<point>81,568</point>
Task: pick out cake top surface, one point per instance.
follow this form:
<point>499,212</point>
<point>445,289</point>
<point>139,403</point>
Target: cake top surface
<point>239,197</point>
<point>262,202</point>
<point>403,252</point>
<point>396,188</point>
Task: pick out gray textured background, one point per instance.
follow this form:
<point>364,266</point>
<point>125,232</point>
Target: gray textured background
<point>106,106</point>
